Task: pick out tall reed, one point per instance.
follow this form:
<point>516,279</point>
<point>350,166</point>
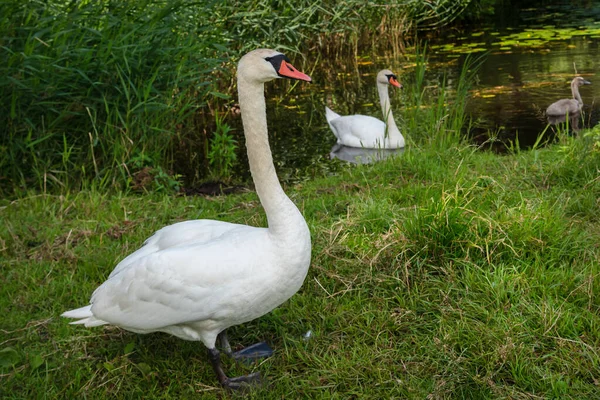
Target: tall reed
<point>84,88</point>
<point>435,109</point>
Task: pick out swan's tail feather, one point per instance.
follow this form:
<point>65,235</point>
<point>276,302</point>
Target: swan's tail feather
<point>330,115</point>
<point>84,316</point>
<point>83,312</point>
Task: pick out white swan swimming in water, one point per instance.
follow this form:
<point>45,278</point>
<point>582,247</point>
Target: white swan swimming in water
<point>572,106</point>
<point>195,279</point>
<point>365,131</point>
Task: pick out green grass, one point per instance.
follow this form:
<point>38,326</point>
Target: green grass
<point>439,274</point>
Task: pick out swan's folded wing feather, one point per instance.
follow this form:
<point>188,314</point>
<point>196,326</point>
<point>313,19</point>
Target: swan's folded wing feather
<point>359,130</point>
<point>180,234</point>
<point>178,285</point>
<point>562,107</point>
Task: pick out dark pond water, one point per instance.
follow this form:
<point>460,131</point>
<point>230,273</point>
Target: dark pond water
<point>532,54</point>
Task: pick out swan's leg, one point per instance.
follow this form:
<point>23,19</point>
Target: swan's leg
<point>238,382</point>
<point>225,343</point>
<point>253,352</point>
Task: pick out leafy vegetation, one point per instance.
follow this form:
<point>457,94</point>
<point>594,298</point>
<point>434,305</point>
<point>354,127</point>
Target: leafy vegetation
<point>222,154</point>
<point>88,87</point>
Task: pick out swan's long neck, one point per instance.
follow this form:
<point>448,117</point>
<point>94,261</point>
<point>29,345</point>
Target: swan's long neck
<point>283,216</point>
<point>575,92</point>
<point>393,133</point>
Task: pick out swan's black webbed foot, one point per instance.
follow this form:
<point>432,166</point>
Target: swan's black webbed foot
<point>250,353</point>
<point>242,382</point>
<point>253,352</point>
<point>236,383</point>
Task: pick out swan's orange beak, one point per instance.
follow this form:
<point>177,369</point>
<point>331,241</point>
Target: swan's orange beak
<point>394,82</point>
<point>286,69</point>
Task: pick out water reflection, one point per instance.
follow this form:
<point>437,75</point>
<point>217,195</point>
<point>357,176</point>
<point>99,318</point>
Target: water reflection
<point>360,155</point>
<point>530,65</point>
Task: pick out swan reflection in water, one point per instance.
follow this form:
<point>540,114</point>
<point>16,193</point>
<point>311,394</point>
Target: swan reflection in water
<point>361,155</point>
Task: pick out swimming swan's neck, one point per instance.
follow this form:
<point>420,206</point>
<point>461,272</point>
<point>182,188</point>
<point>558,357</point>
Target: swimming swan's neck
<point>392,131</point>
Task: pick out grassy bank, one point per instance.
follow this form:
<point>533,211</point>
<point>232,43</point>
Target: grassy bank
<point>442,273</point>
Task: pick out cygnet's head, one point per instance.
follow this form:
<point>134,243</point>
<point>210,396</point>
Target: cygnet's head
<point>579,81</point>
<point>263,65</point>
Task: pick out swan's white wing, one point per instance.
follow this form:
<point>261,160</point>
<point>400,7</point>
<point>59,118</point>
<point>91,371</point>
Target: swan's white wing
<point>182,284</point>
<point>179,234</point>
<point>359,130</point>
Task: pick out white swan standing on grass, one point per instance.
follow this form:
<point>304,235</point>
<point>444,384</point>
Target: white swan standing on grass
<point>572,106</point>
<point>195,279</point>
<point>369,132</point>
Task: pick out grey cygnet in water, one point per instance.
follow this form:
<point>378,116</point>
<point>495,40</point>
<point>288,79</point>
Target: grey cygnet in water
<point>568,106</point>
